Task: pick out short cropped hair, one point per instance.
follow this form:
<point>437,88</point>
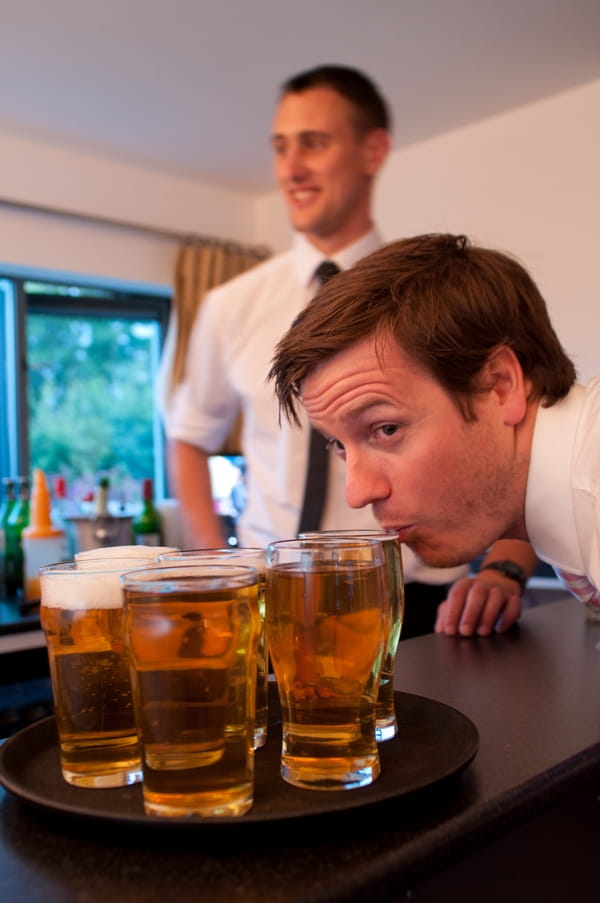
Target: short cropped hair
<point>448,305</point>
<point>371,110</point>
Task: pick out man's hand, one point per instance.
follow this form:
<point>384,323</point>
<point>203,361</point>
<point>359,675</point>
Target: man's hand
<point>479,606</point>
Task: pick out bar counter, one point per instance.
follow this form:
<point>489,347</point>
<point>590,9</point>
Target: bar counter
<point>520,822</point>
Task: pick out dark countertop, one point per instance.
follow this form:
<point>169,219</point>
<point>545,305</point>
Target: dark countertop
<point>533,695</point>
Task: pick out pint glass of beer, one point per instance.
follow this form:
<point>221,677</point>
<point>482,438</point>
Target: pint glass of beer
<point>254,558</point>
<point>82,618</point>
<point>327,630</point>
<point>386,725</point>
<point>191,632</point>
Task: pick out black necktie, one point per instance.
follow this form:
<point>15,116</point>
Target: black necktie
<point>315,488</point>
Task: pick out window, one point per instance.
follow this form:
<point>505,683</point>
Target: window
<point>229,490</point>
<point>79,366</point>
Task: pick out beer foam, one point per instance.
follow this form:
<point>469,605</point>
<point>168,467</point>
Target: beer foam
<point>79,590</point>
<point>141,551</point>
<point>87,584</point>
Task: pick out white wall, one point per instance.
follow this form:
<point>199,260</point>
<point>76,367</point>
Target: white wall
<point>526,182</point>
<point>34,172</point>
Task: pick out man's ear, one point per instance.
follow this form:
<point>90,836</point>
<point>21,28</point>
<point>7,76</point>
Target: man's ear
<point>376,148</point>
<point>504,376</point>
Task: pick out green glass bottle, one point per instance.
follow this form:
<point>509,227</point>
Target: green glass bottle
<point>147,526</point>
<point>13,553</point>
<point>8,502</point>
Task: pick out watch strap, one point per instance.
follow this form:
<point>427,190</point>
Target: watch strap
<point>509,568</point>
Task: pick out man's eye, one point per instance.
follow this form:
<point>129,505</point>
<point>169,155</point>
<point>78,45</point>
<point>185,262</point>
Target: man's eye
<point>388,429</point>
<point>335,444</point>
<point>315,142</point>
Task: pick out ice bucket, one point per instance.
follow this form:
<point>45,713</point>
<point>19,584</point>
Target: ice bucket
<point>104,530</point>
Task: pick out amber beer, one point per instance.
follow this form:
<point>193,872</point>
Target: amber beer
<point>262,663</point>
<point>252,557</point>
<point>191,634</point>
<point>327,625</point>
<point>386,725</point>
<point>82,619</point>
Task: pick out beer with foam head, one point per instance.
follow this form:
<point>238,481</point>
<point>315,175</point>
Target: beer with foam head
<point>82,618</point>
<point>191,632</point>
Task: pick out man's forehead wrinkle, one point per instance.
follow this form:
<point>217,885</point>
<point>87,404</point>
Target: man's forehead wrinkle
<point>333,399</point>
<point>338,383</point>
<point>345,390</point>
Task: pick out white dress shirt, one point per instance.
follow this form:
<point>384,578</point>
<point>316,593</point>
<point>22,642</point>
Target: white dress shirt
<point>562,506</point>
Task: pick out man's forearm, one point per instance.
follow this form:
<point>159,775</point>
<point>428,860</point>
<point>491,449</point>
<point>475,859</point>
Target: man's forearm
<point>190,482</point>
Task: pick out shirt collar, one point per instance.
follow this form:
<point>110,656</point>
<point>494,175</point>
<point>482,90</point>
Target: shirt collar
<point>549,515</point>
<point>307,258</point>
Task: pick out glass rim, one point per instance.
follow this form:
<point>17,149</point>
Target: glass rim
<point>378,534</point>
<point>161,577</point>
<point>325,541</point>
<point>93,566</point>
<point>326,550</point>
<point>220,552</point>
<point>137,550</point>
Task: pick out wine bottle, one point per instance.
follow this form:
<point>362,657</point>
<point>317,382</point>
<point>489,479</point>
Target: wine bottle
<point>62,513</point>
<point>147,526</point>
<point>104,525</point>
<point>8,501</point>
<point>101,498</point>
<point>17,521</point>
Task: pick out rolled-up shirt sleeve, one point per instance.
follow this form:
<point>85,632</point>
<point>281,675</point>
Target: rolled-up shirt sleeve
<point>203,408</point>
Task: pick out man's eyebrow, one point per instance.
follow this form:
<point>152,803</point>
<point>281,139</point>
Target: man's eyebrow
<point>364,407</point>
<point>305,133</point>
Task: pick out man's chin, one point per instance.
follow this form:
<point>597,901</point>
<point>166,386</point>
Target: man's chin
<point>436,557</point>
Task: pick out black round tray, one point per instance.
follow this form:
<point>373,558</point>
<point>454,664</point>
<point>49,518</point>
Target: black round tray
<point>434,741</point>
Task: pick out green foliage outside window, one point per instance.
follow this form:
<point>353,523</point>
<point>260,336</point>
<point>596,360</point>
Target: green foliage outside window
<point>90,397</point>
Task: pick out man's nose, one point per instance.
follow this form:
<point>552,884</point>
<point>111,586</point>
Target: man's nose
<point>292,164</point>
<point>365,482</point>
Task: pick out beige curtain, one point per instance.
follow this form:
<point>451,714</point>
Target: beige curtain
<point>201,265</point>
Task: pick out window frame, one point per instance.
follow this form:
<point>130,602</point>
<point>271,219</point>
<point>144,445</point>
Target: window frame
<point>18,303</point>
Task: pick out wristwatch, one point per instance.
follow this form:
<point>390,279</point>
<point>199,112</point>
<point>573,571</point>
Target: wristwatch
<point>508,568</point>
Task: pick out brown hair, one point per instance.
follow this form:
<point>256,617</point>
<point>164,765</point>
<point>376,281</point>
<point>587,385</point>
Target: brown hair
<point>370,109</point>
<point>448,304</point>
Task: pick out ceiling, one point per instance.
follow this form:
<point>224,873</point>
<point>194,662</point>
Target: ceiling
<point>189,86</point>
